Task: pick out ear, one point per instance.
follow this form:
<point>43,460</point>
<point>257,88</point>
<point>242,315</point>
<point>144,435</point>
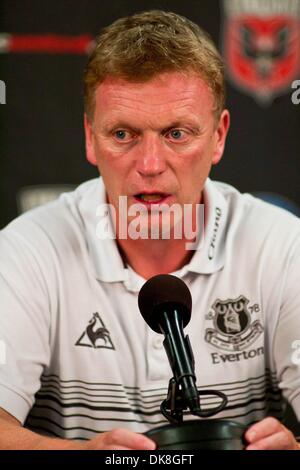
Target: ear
<point>89,145</point>
<point>220,136</point>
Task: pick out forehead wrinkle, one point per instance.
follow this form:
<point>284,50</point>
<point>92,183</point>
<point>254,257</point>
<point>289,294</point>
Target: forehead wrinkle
<point>182,106</point>
<point>165,89</point>
<point>151,107</point>
<point>181,113</point>
<point>138,95</point>
<point>119,98</point>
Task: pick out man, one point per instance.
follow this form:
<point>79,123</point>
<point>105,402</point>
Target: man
<point>81,363</point>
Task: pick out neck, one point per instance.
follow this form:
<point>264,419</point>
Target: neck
<point>149,257</point>
<point>159,256</point>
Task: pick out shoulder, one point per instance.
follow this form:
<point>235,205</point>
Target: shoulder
<point>56,226</point>
<point>252,222</point>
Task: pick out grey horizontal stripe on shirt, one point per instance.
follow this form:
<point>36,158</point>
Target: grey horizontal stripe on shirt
<point>112,408</point>
<point>125,402</point>
<point>263,385</point>
<point>55,377</point>
<point>117,387</point>
<point>93,418</point>
<point>118,392</point>
<point>254,393</point>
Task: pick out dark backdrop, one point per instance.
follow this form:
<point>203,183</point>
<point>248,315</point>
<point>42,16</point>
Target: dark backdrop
<point>41,124</point>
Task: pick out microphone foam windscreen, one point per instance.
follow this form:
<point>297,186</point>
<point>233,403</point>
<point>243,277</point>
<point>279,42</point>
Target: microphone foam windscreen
<point>163,292</point>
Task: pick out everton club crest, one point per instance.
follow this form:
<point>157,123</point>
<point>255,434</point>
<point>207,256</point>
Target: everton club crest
<point>233,329</point>
<point>261,46</point>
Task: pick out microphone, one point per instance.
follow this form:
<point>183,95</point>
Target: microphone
<point>165,303</point>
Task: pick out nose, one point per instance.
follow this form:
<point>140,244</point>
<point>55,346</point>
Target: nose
<point>151,158</point>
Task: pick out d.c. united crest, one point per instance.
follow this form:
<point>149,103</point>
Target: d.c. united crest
<point>261,46</point>
<point>232,329</point>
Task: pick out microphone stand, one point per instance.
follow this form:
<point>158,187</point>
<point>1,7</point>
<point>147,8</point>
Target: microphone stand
<point>205,434</point>
<point>173,406</point>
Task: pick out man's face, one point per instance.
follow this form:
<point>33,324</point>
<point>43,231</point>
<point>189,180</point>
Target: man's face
<point>155,142</point>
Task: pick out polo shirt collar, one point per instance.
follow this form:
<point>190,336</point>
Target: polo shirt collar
<point>108,264</point>
<point>107,261</point>
<point>210,254</point>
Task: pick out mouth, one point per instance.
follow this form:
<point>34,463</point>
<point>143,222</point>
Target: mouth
<point>151,198</point>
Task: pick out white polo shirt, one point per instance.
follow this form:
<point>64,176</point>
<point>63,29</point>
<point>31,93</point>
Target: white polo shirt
<point>81,360</point>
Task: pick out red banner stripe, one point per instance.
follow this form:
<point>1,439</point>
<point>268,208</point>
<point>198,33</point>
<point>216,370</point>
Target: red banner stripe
<point>46,43</point>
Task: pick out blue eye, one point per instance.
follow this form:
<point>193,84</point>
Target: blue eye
<point>120,135</point>
<point>176,134</point>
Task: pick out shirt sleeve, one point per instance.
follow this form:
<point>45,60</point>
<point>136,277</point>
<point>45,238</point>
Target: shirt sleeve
<point>286,347</point>
<point>24,322</point>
